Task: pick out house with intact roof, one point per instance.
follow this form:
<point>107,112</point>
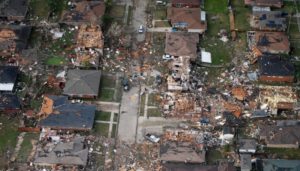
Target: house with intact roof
<point>82,84</point>
<point>187,19</point>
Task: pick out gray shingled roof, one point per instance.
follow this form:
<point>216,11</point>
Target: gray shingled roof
<point>82,82</point>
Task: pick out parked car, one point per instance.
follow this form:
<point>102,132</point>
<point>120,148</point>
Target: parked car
<point>152,138</point>
<point>125,84</point>
<point>141,29</point>
<point>167,57</point>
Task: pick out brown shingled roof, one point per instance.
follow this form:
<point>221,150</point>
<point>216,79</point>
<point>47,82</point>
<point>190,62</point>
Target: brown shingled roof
<point>188,15</point>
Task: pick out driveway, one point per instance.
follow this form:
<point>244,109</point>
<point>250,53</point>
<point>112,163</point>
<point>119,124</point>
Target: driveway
<point>129,116</point>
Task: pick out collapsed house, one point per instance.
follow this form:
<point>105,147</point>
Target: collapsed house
<point>69,153</point>
<point>280,136</point>
<point>82,84</point>
<point>268,42</point>
<point>186,3</point>
<point>59,114</point>
<point>90,44</point>
<point>181,106</point>
<point>264,3</point>
<point>9,103</point>
<point>13,39</point>
<point>183,48</point>
<point>83,12</point>
<point>13,10</point>
<point>8,78</point>
<point>184,152</point>
<point>269,20</point>
<point>187,19</point>
<point>277,97</point>
<point>276,69</point>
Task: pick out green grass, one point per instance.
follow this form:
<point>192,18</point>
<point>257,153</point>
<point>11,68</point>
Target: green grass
<point>117,11</point>
<point>108,81</point>
<point>55,61</point>
<point>216,9</point>
<point>283,153</point>
<point>26,147</point>
<point>154,112</point>
<point>152,99</point>
<point>40,9</point>
<point>102,116</point>
<point>220,51</point>
<point>216,6</point>
<point>160,13</point>
<point>101,129</point>
<point>213,156</point>
<point>241,15</point>
<point>107,94</point>
<point>8,133</point>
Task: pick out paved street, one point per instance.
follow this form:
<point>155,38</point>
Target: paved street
<point>139,18</point>
<point>129,115</point>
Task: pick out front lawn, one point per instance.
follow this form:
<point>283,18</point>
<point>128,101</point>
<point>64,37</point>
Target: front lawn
<point>102,116</point>
<point>107,94</point>
<point>8,133</point>
<point>160,13</point>
<point>101,129</point>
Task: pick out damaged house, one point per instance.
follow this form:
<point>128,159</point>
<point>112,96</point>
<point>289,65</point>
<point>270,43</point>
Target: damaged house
<point>9,103</point>
<point>187,19</point>
<point>13,10</point>
<point>264,3</point>
<point>83,12</point>
<point>280,136</point>
<point>82,84</point>
<point>277,97</point>
<point>68,153</point>
<point>268,42</point>
<point>8,78</point>
<point>269,20</point>
<point>13,39</point>
<point>276,69</point>
<point>183,48</point>
<point>90,44</point>
<point>59,114</point>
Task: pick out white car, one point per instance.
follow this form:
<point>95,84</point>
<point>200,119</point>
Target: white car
<point>141,29</point>
<point>167,57</point>
<point>152,138</point>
